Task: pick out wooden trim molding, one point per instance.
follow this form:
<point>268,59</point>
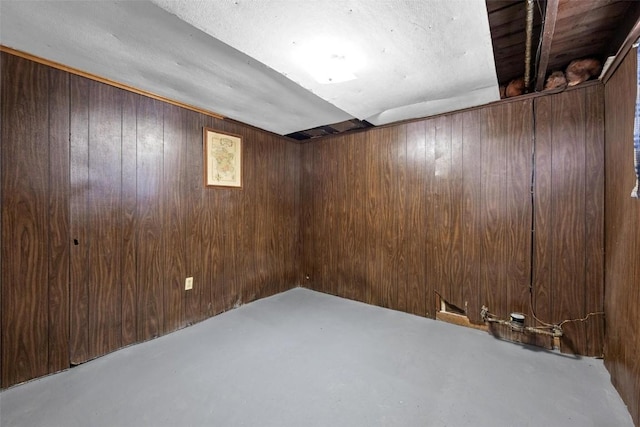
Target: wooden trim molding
<point>104,80</point>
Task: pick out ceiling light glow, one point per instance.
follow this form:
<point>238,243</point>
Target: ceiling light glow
<point>329,60</point>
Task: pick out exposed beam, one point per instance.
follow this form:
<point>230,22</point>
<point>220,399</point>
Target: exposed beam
<point>550,16</point>
<point>527,52</point>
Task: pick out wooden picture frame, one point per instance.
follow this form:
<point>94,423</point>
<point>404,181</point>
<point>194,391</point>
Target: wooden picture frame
<point>222,158</point>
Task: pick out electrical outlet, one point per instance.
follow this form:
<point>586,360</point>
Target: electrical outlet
<point>188,283</point>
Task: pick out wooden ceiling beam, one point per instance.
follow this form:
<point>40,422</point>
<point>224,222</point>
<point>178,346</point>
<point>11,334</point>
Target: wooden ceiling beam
<point>550,17</point>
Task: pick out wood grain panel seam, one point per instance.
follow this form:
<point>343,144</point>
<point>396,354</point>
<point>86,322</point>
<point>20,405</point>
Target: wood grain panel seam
<point>585,230</point>
<point>47,226</point>
<point>122,218</point>
<point>552,219</point>
<point>57,204</point>
<point>463,216</point>
<point>89,234</point>
<point>70,225</point>
<point>532,201</point>
<point>2,145</point>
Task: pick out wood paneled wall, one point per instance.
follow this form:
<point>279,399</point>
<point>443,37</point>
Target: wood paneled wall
<point>568,260</point>
<point>622,242</point>
<point>399,213</point>
<point>104,215</point>
<point>35,220</point>
<point>111,216</point>
<point>446,205</point>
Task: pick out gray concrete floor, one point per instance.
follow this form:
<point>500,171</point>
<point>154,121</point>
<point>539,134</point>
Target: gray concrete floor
<point>303,358</point>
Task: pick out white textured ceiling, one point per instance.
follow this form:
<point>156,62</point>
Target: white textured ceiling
<point>249,60</point>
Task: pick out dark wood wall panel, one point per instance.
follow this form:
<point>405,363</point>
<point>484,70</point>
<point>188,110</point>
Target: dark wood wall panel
<point>197,264</point>
<point>374,210</point>
<point>519,154</point>
<point>149,218</point>
<point>278,232</point>
<point>321,220</point>
<point>413,297</point>
<point>543,255</point>
<point>104,215</point>
<point>456,209</point>
<point>79,199</point>
<point>228,250</point>
<point>440,206</point>
<point>430,258</point>
<point>104,240</point>
<point>622,234</point>
<point>129,276</point>
<point>594,217</point>
<point>224,248</point>
<point>344,220</point>
<point>235,259</point>
<point>175,173</point>
<point>271,248</point>
<point>493,211</point>
<point>442,209</point>
<point>567,184</point>
<point>357,189</point>
<point>248,268</point>
<point>471,205</point>
<point>261,220</point>
<point>307,226</point>
<point>59,249</point>
<point>229,204</point>
<point>355,261</point>
<point>394,235</point>
<point>569,191</point>
<point>2,260</point>
<point>289,225</point>
<point>266,207</point>
<point>25,219</point>
<point>211,268</point>
<point>445,205</point>
<point>275,248</point>
<point>330,219</point>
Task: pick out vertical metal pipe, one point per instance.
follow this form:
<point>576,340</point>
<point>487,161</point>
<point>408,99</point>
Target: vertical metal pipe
<point>527,51</point>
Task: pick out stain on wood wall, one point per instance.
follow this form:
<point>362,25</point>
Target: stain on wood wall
<point>622,241</point>
<point>446,205</point>
<point>104,215</point>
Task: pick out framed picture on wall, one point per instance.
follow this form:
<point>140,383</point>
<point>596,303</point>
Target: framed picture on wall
<point>222,159</point>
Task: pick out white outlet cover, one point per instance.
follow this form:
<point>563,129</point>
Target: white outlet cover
<point>188,283</point>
